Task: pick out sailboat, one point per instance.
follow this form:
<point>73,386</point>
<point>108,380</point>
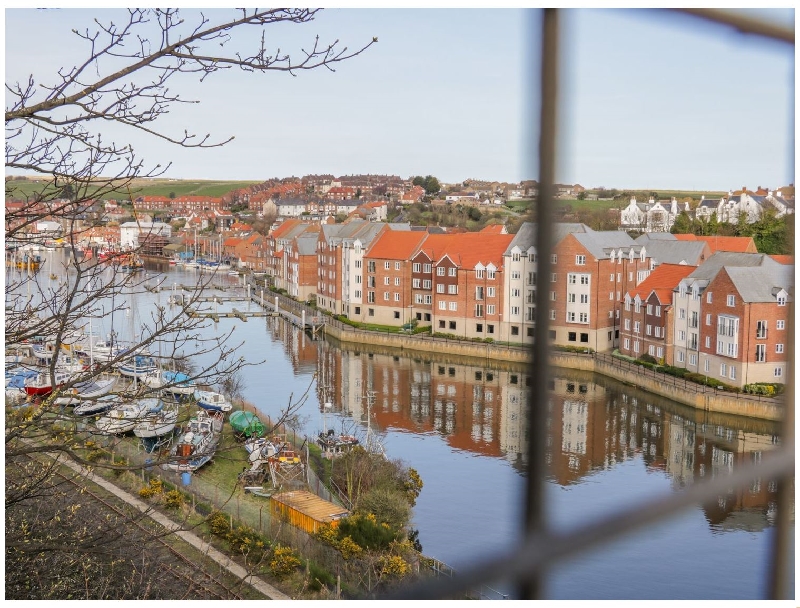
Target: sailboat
<point>124,417</point>
<point>158,422</point>
<point>198,443</point>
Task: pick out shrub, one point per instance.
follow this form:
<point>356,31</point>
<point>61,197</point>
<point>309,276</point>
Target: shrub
<point>283,561</point>
<point>366,532</point>
<point>218,523</point>
<point>173,499</point>
<point>394,566</point>
<point>155,487</point>
<point>319,577</point>
<point>245,540</point>
<point>648,358</point>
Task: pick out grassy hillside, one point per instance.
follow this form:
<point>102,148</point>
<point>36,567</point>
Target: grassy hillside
<point>17,188</point>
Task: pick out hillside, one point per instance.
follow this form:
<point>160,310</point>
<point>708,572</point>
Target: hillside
<point>26,188</point>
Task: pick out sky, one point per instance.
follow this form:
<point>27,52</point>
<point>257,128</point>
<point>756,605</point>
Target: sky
<point>648,99</point>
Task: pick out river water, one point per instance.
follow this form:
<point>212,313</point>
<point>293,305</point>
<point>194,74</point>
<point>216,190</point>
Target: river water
<point>461,424</point>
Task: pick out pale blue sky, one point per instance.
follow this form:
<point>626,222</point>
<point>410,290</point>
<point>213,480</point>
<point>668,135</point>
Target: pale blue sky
<point>649,99</point>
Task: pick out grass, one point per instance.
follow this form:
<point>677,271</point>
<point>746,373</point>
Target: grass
<point>142,187</point>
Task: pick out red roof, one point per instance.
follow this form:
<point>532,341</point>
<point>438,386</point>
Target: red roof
<point>467,249</point>
<point>663,280</point>
<point>736,244</point>
<point>784,259</point>
<point>396,244</point>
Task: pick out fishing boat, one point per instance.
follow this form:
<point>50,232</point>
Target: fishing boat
<point>158,421</point>
<point>246,424</point>
<point>124,417</point>
<point>213,402</point>
<point>198,442</point>
<point>83,391</point>
<point>42,384</point>
<point>92,407</point>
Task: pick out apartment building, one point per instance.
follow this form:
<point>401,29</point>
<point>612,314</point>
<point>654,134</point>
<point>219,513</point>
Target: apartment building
<point>731,318</point>
<point>647,319</point>
<point>301,264</point>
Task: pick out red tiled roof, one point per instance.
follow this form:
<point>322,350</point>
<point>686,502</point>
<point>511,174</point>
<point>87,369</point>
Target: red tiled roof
<point>468,248</point>
<point>494,229</point>
<point>788,260</point>
<point>662,280</point>
<point>736,244</point>
<point>395,245</point>
<point>685,237</point>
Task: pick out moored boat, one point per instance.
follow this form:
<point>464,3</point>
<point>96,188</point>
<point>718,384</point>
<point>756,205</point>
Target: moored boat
<point>158,421</point>
<point>124,417</point>
<point>138,365</point>
<point>246,424</point>
<point>92,407</point>
<point>42,385</point>
<point>198,443</point>
<point>213,402</point>
<point>175,383</point>
<point>91,389</point>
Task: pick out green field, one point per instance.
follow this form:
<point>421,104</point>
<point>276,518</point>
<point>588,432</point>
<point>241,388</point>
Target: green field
<point>17,189</point>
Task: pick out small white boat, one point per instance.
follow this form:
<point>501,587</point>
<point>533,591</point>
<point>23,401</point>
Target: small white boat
<point>124,417</point>
<point>91,389</point>
<point>138,365</point>
<point>92,407</point>
<point>213,402</point>
<point>158,422</point>
<point>175,383</point>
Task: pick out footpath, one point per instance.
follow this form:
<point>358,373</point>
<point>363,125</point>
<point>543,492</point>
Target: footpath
<point>224,561</point>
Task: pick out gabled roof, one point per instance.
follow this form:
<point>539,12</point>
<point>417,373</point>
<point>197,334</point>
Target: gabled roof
<point>396,245</point>
<point>783,259</point>
<point>709,269</point>
<point>676,252</point>
<point>741,244</point>
<point>663,280</point>
<point>307,243</point>
<point>525,238</point>
<point>761,284</point>
<point>468,249</point>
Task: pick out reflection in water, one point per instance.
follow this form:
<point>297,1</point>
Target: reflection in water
<point>594,423</point>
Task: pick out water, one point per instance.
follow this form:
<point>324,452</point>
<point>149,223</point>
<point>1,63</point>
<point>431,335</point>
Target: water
<point>461,425</point>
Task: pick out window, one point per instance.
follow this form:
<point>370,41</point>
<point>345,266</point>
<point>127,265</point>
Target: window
<point>692,359</point>
<point>627,324</point>
<point>515,311</point>
<point>570,297</point>
<point>649,309</point>
<point>779,324</point>
<point>490,274</point>
<point>357,294</point>
<point>397,281</point>
<point>478,310</point>
<point>358,310</point>
<point>479,293</point>
<point>612,277</point>
<point>386,280</point>
<point>416,267</point>
<point>428,299</point>
<point>580,260</point>
<point>681,313</point>
<point>371,281</point>
<point>396,314</point>
<point>572,279</point>
<point>658,311</point>
<point>490,292</point>
<point>584,279</point>
<point>452,272</point>
<point>397,265</point>
<point>358,263</point>
<point>418,298</point>
<point>452,289</point>
<point>371,312</point>
<point>441,326</point>
<point>626,344</point>
<point>386,295</point>
<point>681,335</point>
<point>479,329</point>
<point>732,373</point>
<point>553,277</point>
<point>708,297</point>
<point>371,266</point>
<point>514,332</point>
<point>396,296</point>
<point>440,287</point>
<point>781,300</point>
<point>553,296</point>
<point>440,271</point>
<point>708,319</point>
<point>584,298</point>
<point>636,327</point>
<point>426,268</point>
<point>426,284</point>
<point>571,317</point>
<point>515,292</point>
<point>453,305</point>
<point>479,273</point>
<point>723,369</point>
<point>680,356</point>
<point>761,330</point>
<point>442,305</point>
<point>731,300</point>
<point>416,283</point>
<point>490,309</point>
<point>572,336</point>
<point>761,353</point>
<point>452,324</point>
<point>651,350</point>
<point>779,348</point>
<point>489,330</point>
<point>553,316</point>
<point>708,365</point>
<point>387,265</point>
<point>708,341</point>
<point>584,337</point>
<point>636,346</point>
<point>554,258</point>
<point>371,297</point>
<point>778,372</point>
<point>648,330</point>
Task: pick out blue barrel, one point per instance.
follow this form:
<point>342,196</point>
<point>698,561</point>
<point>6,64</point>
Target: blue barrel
<point>186,478</point>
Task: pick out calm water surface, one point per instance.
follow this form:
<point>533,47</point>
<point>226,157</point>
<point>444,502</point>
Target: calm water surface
<point>461,424</point>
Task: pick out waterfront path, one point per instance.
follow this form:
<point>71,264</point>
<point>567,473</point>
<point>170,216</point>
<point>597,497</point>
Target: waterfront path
<point>223,560</point>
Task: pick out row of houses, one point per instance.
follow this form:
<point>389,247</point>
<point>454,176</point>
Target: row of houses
<point>659,216</point>
<point>484,285</point>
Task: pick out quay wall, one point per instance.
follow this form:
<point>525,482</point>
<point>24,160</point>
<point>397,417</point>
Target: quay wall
<point>677,389</point>
<point>671,387</point>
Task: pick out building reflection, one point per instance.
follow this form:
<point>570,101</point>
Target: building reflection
<point>593,423</point>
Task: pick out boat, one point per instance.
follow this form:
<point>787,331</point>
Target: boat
<point>137,365</point>
<point>335,445</point>
<point>175,383</point>
<point>213,402</point>
<point>158,422</point>
<point>92,407</point>
<point>246,424</point>
<point>15,383</point>
<point>41,384</point>
<point>198,442</point>
<point>83,391</point>
<point>123,418</point>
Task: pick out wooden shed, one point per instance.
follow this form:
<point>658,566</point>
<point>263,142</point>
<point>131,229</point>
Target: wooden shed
<point>305,510</point>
